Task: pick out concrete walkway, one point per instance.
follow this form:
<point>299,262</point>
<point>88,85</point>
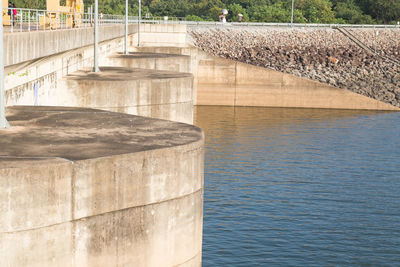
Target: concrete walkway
<point>77,134</point>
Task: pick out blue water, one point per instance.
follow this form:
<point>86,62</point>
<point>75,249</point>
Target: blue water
<point>300,187</point>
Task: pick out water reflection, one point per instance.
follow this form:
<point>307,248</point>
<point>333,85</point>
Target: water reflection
<point>300,187</point>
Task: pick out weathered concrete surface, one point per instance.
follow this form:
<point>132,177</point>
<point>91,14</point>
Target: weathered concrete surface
<point>39,81</point>
<point>152,93</point>
<point>44,73</point>
<point>319,54</point>
<point>155,61</point>
<point>219,81</point>
<point>227,82</point>
<point>25,46</point>
<point>83,187</point>
<point>161,35</point>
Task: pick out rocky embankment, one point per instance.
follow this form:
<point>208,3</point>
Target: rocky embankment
<point>325,55</point>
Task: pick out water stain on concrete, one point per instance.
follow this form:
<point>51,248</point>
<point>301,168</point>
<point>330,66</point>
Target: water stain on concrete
<point>78,134</point>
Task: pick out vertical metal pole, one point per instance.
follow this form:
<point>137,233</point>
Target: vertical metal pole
<point>37,21</point>
<point>3,120</point>
<point>12,20</point>
<point>29,20</point>
<point>96,33</point>
<point>139,18</point>
<point>20,25</point>
<point>126,27</point>
<point>291,20</point>
<point>91,16</point>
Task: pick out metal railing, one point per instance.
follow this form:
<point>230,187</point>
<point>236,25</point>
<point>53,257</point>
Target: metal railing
<point>43,20</point>
<point>297,25</point>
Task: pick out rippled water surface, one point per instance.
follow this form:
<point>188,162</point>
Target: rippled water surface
<point>301,187</point>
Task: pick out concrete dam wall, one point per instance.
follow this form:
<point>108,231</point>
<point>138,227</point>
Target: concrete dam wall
<point>219,81</point>
<point>363,61</point>
<point>45,81</point>
<point>86,187</point>
<point>90,187</point>
<point>25,46</point>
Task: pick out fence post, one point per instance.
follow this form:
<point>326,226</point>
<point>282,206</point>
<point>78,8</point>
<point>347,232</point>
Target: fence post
<point>11,19</point>
<point>126,27</point>
<point>96,48</point>
<point>29,20</point>
<point>20,25</point>
<point>3,120</point>
<point>139,18</point>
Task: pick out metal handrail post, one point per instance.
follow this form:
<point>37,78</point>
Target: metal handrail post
<point>3,119</point>
<point>126,27</point>
<point>96,63</point>
<point>29,20</point>
<point>291,20</point>
<point>12,20</point>
<point>139,18</point>
<point>20,24</point>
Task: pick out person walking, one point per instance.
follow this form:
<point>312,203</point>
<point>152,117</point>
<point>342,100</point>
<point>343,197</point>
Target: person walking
<point>10,12</point>
<point>14,11</point>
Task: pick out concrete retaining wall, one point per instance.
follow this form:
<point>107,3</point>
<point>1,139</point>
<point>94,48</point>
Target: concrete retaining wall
<point>40,81</point>
<point>161,35</point>
<point>25,46</point>
<point>220,81</point>
<point>20,79</point>
<point>226,82</point>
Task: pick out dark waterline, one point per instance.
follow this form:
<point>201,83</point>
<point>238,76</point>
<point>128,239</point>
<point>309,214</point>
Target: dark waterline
<point>300,187</point>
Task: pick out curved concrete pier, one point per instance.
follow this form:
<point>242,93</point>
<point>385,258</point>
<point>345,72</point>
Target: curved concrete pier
<point>82,187</point>
<point>151,93</point>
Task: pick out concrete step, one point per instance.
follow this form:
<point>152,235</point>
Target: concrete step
<point>152,93</point>
<point>148,60</point>
<point>164,50</point>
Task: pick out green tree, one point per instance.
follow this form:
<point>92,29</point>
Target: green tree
<point>234,10</point>
<point>277,12</point>
<point>194,18</point>
<point>351,13</point>
<point>311,11</point>
<point>317,11</point>
<point>384,11</point>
